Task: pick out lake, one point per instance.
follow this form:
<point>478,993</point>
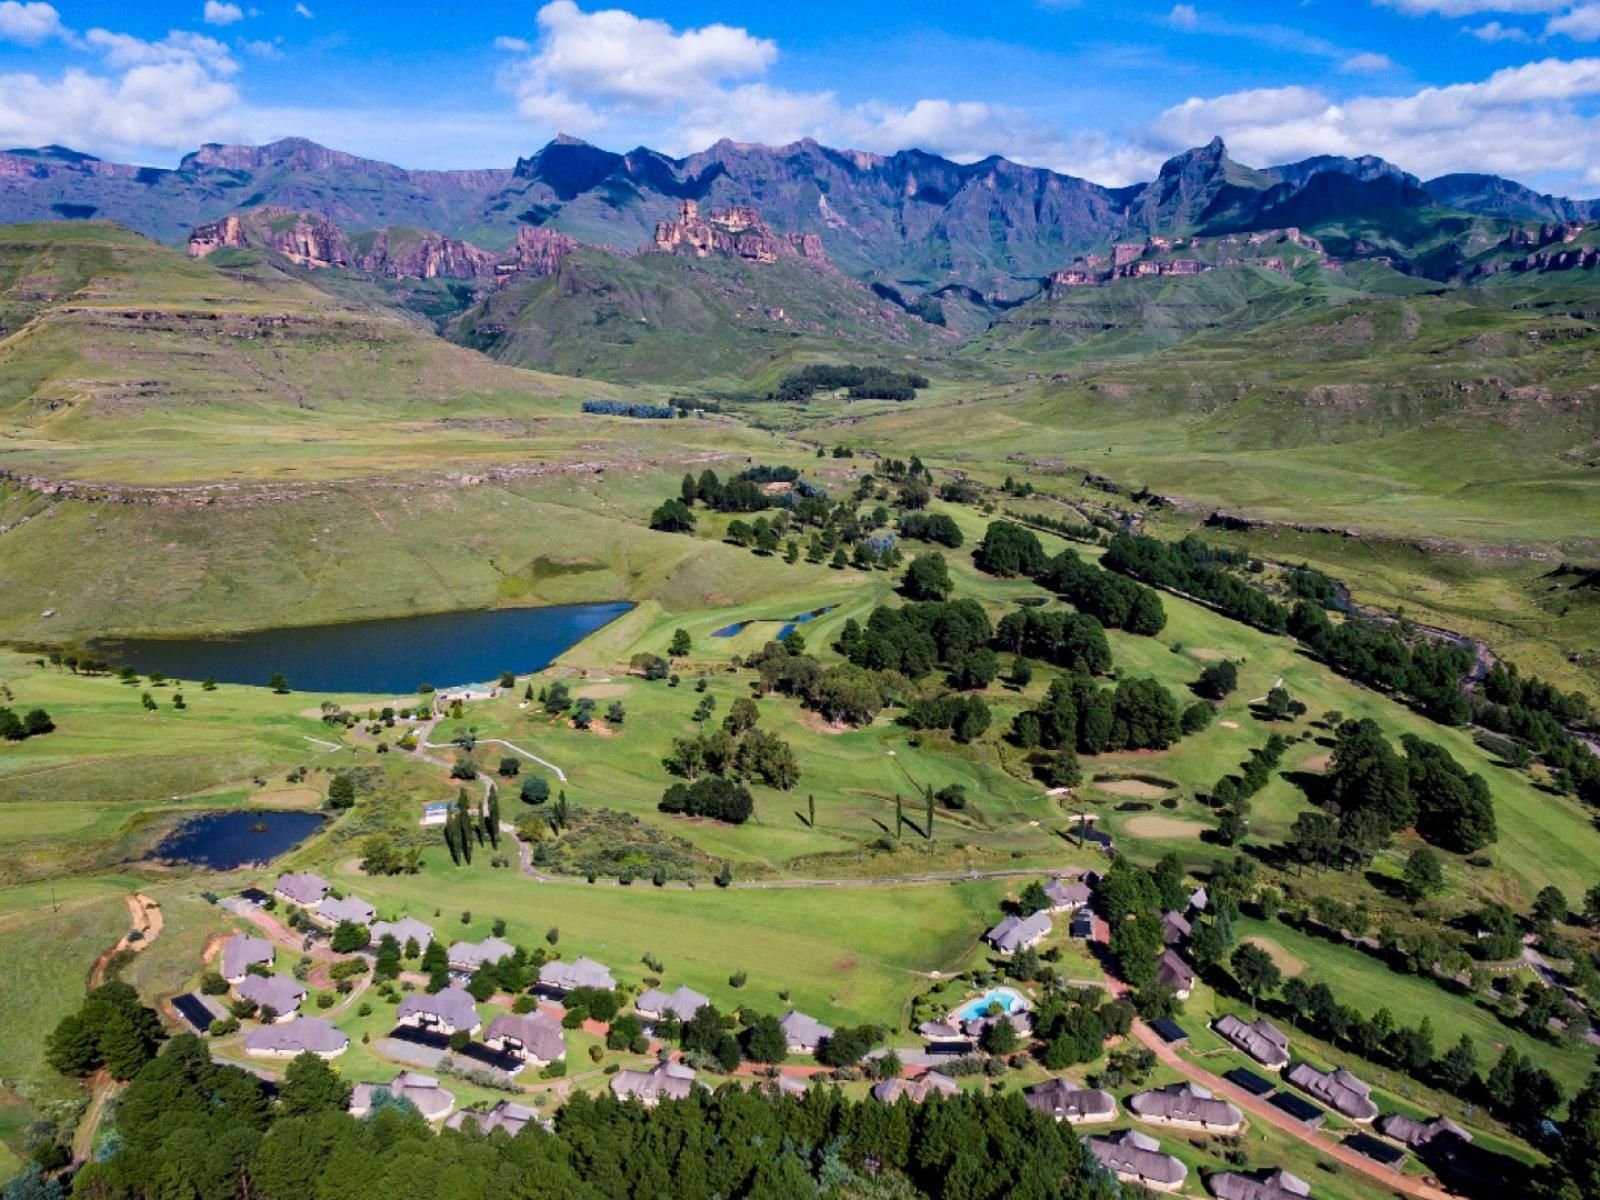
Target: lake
<point>391,657</point>
<point>226,840</point>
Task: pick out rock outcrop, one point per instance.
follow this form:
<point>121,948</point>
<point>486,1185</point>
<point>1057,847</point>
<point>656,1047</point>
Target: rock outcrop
<point>1155,257</point>
<point>393,253</point>
<point>735,232</point>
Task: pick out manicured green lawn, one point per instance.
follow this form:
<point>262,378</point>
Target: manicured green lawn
<point>847,954</point>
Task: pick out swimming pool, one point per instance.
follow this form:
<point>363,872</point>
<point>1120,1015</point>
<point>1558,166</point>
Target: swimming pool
<point>995,1000</point>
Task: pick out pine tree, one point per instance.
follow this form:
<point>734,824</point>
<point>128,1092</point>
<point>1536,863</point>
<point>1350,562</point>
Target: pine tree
<point>811,811</point>
<point>1501,1084</point>
<point>122,1046</point>
<point>1458,1068</point>
<point>494,817</point>
<point>312,1086</point>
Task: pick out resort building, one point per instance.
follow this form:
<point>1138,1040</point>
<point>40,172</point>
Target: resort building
<point>1175,929</point>
<point>1188,1106</point>
<point>536,1038</point>
<point>664,1081</point>
<point>1339,1090</point>
<point>406,929</point>
<point>1068,895</point>
<point>1409,1131</point>
<point>280,993</point>
<point>296,1037</point>
<point>1062,1100</point>
<point>559,976</point>
<point>1135,1157</point>
<point>1173,972</point>
<point>506,1115</point>
<point>655,1005</point>
<point>931,1083</point>
<point>939,1033</point>
<point>447,1011</point>
<point>332,910</point>
<point>469,956</point>
<point>423,1091</point>
<point>803,1034</point>
<point>1274,1185</point>
<point>303,889</point>
<point>240,953</point>
<point>1260,1039</point>
<point>1019,933</point>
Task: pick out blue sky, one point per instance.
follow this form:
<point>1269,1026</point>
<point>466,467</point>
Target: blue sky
<point>1096,88</point>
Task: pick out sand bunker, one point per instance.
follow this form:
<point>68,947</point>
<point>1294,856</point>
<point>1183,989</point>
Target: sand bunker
<point>1281,958</point>
<point>602,691</point>
<point>1135,788</point>
<point>1154,825</point>
<point>1317,762</point>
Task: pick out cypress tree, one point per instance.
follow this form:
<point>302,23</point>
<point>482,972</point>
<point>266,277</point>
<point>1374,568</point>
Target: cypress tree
<point>899,816</point>
<point>811,811</point>
<point>494,817</point>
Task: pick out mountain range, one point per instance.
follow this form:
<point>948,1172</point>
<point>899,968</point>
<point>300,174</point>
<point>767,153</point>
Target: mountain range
<point>912,222</point>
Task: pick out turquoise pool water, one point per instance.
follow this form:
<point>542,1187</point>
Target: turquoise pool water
<point>1009,1000</point>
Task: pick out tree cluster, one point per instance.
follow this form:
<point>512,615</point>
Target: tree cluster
<point>1076,713</point>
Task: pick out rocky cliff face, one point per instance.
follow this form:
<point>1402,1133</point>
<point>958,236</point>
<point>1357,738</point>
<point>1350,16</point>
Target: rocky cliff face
<point>1168,256</point>
<point>737,232</point>
<point>392,253</point>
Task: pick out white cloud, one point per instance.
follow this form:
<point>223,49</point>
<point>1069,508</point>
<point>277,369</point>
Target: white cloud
<point>302,11</point>
<point>515,45</point>
<point>171,106</point>
<point>139,96</point>
<point>1183,16</point>
<point>179,46</point>
<point>1493,31</point>
<point>261,48</point>
<point>30,24</point>
<point>1367,62</point>
<point>1520,121</point>
<point>1582,24</point>
<point>1468,8</point>
<point>614,60</point>
<point>217,13</point>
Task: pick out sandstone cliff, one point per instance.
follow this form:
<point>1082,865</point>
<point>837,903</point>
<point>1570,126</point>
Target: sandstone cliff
<point>736,232</point>
<point>393,253</point>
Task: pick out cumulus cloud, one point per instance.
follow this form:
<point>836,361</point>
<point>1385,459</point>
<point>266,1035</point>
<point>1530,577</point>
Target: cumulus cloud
<point>1494,31</point>
<point>586,63</point>
<point>166,94</point>
<point>1367,62</point>
<point>222,14</point>
<point>1582,24</point>
<point>30,24</point>
<point>1519,121</point>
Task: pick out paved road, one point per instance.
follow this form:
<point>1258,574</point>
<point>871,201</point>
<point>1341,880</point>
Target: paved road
<point>1258,1108</point>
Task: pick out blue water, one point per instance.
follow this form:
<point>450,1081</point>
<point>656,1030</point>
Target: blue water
<point>1009,1001</point>
<point>390,658</point>
<point>734,630</point>
<point>225,840</point>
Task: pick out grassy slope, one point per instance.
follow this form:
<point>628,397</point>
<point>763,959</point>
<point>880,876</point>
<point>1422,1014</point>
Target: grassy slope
<point>662,318</point>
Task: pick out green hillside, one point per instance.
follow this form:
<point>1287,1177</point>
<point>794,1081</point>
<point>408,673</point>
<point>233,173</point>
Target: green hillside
<point>661,318</point>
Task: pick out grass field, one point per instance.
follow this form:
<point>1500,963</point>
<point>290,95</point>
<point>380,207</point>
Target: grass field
<point>847,954</point>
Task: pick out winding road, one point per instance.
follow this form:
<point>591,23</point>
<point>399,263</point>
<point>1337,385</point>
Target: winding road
<point>1259,1109</point>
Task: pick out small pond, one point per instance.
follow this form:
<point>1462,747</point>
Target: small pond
<point>226,840</point>
<point>992,1003</point>
<point>389,658</point>
<point>739,627</point>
